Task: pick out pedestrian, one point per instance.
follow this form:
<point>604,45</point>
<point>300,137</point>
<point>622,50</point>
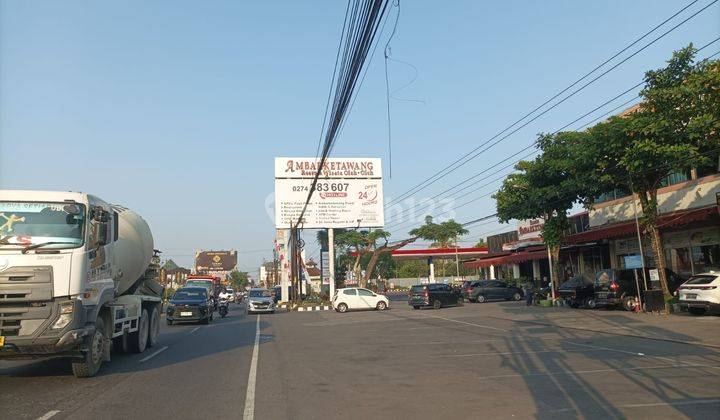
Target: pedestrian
<point>528,290</point>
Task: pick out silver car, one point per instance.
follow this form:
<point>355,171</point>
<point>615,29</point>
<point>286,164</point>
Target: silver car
<point>260,300</point>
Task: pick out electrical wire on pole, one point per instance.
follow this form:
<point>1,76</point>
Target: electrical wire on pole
<point>480,149</point>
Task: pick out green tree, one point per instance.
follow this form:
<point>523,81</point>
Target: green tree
<point>411,269</point>
<point>480,243</point>
<point>238,279</point>
<point>549,186</point>
<point>441,235</point>
<point>372,242</point>
<point>676,122</point>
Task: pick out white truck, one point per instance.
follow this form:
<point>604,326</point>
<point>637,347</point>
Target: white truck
<point>76,279</point>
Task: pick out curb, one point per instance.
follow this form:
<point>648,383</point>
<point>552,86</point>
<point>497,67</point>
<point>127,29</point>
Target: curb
<point>287,307</point>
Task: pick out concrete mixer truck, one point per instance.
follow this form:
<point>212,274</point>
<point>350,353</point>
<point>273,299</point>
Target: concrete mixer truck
<point>76,279</point>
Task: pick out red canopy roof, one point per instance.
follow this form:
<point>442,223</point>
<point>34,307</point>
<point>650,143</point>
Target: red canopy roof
<point>528,254</point>
<point>622,229</point>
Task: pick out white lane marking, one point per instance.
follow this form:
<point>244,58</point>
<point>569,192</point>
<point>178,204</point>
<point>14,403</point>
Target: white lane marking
<point>469,323</point>
<point>145,359</point>
<point>48,414</point>
<point>506,353</point>
<point>582,372</point>
<point>249,412</point>
<point>657,404</point>
<point>634,353</point>
<point>193,330</point>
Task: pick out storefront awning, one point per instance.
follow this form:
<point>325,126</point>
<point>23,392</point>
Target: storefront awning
<point>619,230</point>
<point>540,254</point>
<point>485,262</point>
<point>529,254</point>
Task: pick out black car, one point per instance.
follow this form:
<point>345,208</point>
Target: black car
<point>435,295</point>
<point>190,304</point>
<point>619,288</point>
<point>577,292</point>
<point>494,289</point>
<point>467,288</point>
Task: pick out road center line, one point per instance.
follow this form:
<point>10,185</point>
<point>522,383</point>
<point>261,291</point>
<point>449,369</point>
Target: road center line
<point>146,358</point>
<point>49,414</point>
<point>193,330</point>
<point>249,412</point>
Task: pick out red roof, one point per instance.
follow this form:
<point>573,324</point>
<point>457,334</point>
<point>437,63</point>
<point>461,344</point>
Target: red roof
<point>618,230</point>
<point>529,254</point>
<point>437,251</point>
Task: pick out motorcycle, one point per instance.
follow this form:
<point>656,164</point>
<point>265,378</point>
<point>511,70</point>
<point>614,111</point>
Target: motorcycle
<point>223,308</point>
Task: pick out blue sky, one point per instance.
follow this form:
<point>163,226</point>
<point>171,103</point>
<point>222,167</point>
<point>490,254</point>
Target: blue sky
<point>177,108</point>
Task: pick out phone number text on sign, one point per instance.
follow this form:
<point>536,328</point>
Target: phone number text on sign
<point>350,194</point>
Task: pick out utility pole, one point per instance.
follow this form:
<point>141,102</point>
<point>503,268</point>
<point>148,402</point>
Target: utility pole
<point>457,259</point>
<point>331,260</point>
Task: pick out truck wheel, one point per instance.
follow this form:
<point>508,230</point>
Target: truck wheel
<point>154,330</point>
<point>139,339</point>
<point>92,359</point>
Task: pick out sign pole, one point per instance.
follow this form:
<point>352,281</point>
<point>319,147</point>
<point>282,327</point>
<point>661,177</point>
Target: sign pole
<point>432,270</point>
<point>331,260</point>
<point>283,260</point>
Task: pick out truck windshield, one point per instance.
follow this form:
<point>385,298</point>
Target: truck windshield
<point>32,223</point>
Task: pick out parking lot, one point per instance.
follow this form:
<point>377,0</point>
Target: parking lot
<point>496,360</point>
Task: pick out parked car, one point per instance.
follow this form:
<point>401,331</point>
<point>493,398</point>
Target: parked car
<point>260,300</point>
<point>619,288</point>
<point>467,288</point>
<point>190,304</point>
<point>577,292</point>
<point>494,289</point>
<point>435,295</point>
<point>351,298</point>
<point>701,293</point>
<point>228,294</point>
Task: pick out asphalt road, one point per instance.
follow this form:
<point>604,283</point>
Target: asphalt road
<point>455,363</point>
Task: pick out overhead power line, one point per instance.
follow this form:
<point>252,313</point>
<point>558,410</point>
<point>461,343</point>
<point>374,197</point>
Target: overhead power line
<point>474,153</point>
<point>534,143</point>
<point>362,20</point>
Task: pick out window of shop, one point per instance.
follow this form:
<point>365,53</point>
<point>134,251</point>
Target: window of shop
<point>612,195</point>
<point>675,178</point>
<point>705,258</point>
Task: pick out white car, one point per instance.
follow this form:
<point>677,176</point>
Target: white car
<point>228,294</point>
<point>358,298</point>
<point>701,293</point>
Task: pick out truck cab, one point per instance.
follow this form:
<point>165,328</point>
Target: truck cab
<point>64,276</point>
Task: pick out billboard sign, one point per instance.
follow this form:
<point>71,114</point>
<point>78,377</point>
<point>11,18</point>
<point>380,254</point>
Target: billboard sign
<point>530,229</point>
<point>349,193</point>
<point>215,261</point>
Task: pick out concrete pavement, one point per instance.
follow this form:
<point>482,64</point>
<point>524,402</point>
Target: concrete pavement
<point>497,360</point>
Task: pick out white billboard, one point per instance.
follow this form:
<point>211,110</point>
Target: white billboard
<point>530,229</point>
<point>348,193</point>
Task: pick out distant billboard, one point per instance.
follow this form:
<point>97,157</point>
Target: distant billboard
<point>349,193</point>
<point>215,261</point>
<point>530,229</point>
